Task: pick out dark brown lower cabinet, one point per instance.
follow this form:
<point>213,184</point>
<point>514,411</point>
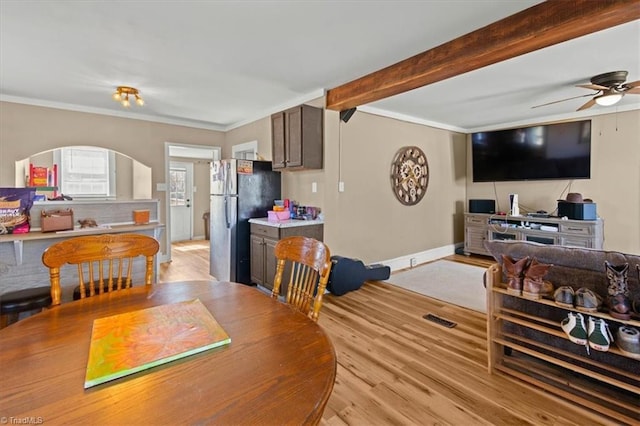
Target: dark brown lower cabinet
<point>263,241</point>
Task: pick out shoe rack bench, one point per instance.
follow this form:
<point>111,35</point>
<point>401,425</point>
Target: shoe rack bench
<point>525,341</point>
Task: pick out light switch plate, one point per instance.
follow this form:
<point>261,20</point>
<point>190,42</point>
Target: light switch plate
<point>161,187</point>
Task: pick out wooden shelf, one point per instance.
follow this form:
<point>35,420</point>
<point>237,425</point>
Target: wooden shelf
<point>622,409</point>
<point>526,341</point>
<point>19,239</point>
<point>632,322</point>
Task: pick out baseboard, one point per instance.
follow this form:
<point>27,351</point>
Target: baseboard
<point>404,262</point>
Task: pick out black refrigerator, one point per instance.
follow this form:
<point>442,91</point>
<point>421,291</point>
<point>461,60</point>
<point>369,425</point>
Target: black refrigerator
<point>240,190</point>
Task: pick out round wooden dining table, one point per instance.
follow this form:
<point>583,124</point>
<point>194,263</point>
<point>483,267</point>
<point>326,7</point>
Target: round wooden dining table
<point>278,369</point>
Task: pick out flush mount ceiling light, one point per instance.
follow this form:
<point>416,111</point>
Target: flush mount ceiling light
<point>122,94</point>
<point>609,97</point>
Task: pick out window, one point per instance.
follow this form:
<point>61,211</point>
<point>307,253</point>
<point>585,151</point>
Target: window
<point>86,172</point>
<point>178,186</point>
<point>245,151</point>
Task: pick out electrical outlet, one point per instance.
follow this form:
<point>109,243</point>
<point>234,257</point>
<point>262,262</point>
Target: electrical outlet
<point>413,262</point>
<point>314,187</point>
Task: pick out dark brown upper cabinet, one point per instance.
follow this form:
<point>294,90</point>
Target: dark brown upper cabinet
<point>297,138</point>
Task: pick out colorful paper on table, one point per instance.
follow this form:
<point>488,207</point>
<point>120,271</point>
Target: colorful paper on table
<point>134,341</point>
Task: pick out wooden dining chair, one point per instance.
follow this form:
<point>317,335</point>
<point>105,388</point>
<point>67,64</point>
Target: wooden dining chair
<point>308,264</point>
<point>104,262</point>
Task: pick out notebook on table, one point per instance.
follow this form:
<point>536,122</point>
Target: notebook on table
<point>135,341</point>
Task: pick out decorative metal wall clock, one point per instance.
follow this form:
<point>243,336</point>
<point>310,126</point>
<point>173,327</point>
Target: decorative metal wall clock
<point>409,175</point>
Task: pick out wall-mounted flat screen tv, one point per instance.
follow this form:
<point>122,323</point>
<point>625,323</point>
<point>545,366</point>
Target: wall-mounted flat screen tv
<point>553,151</point>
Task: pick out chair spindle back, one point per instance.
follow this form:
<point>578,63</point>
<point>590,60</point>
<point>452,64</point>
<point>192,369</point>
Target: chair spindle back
<point>310,265</point>
<point>104,262</point>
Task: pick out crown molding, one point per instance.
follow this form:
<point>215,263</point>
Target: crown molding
<point>411,119</point>
<point>576,115</point>
<point>120,114</point>
<point>311,96</point>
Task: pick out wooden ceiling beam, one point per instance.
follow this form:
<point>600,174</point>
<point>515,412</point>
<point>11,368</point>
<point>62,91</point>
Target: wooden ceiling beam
<point>540,26</point>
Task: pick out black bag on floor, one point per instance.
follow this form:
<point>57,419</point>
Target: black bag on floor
<point>349,274</point>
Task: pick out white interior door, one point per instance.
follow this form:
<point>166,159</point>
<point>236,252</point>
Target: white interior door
<point>180,200</point>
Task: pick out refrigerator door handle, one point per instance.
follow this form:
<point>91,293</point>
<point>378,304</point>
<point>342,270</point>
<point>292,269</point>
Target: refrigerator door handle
<point>228,182</point>
<point>224,179</point>
<point>226,212</point>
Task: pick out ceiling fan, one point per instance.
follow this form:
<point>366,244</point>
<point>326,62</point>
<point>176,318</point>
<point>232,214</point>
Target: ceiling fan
<point>610,88</point>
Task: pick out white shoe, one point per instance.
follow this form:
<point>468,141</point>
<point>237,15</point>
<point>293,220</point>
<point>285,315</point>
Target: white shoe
<point>600,337</point>
<point>574,327</point>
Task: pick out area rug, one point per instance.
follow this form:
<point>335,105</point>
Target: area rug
<point>452,282</point>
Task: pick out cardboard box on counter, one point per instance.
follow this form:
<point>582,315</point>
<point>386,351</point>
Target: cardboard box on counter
<point>56,220</point>
<point>140,217</point>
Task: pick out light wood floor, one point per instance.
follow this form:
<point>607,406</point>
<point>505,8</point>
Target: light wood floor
<point>395,368</point>
<point>190,261</point>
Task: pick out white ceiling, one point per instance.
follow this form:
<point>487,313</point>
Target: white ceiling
<point>221,64</point>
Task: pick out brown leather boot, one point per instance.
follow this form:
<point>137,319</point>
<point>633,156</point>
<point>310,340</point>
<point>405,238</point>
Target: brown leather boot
<point>514,271</point>
<point>618,299</point>
<point>534,286</point>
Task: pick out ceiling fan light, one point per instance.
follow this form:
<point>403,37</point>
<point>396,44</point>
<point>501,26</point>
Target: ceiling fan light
<point>116,96</point>
<point>139,101</point>
<point>125,102</point>
<point>608,99</point>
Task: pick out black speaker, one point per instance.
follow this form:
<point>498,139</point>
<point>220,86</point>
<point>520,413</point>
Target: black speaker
<point>577,211</point>
<point>482,206</point>
<point>346,114</point>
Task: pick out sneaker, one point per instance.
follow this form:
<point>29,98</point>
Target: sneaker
<point>600,337</point>
<point>574,328</point>
<point>628,341</point>
<point>564,296</point>
<point>587,300</point>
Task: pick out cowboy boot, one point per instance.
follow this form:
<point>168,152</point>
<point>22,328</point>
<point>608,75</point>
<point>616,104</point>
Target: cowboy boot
<point>618,291</point>
<point>534,286</point>
<point>514,271</point>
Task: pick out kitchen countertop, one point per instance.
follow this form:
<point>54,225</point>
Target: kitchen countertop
<point>290,223</point>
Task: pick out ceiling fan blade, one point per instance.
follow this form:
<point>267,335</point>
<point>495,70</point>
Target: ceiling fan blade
<point>592,86</point>
<point>634,91</point>
<point>633,84</point>
<point>561,100</point>
<point>589,104</point>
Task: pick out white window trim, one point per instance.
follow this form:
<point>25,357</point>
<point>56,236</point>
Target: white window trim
<point>245,147</point>
<point>57,159</point>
